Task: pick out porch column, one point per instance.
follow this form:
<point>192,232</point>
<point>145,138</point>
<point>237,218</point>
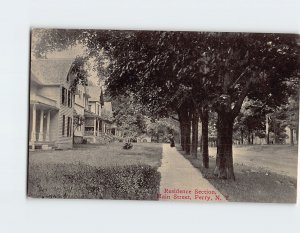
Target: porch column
<point>41,134</point>
<point>95,126</point>
<point>48,127</point>
<point>33,130</point>
<point>98,127</point>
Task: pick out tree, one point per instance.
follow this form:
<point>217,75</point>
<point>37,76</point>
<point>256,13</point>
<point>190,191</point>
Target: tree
<point>256,66</point>
<point>251,120</point>
<point>186,72</point>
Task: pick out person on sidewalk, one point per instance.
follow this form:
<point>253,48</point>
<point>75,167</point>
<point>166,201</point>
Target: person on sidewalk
<point>172,142</point>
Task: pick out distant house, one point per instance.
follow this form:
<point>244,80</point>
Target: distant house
<point>51,104</point>
<point>291,136</point>
<point>92,115</point>
<point>81,104</point>
<point>144,138</point>
<point>107,115</point>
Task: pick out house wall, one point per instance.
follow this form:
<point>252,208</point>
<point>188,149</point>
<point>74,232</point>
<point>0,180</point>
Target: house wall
<point>63,141</point>
<point>79,109</point>
<point>53,126</point>
<point>98,109</point>
<point>93,107</point>
<point>80,99</point>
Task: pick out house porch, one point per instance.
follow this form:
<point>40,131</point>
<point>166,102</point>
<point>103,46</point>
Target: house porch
<point>43,124</point>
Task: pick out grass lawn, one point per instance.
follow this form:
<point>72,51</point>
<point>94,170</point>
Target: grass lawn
<point>253,183</point>
<point>96,171</point>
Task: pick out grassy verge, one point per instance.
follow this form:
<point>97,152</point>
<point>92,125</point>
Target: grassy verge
<point>102,155</point>
<point>252,184</point>
<point>95,172</point>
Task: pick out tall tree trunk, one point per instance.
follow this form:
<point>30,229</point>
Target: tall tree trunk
<point>205,155</point>
<point>188,134</point>
<point>195,122</point>
<point>182,138</point>
<point>224,162</point>
<point>249,137</point>
<point>242,136</point>
<point>267,130</point>
<point>200,135</point>
<point>182,115</point>
<point>292,136</point>
<point>200,141</point>
<point>276,131</point>
<point>252,138</point>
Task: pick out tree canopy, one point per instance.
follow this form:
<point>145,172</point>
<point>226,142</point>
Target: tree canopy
<point>191,74</point>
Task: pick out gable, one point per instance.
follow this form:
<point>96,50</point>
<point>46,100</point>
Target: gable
<point>51,71</point>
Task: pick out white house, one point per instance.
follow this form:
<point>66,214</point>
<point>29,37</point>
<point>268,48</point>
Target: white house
<point>92,115</point>
<point>51,104</point>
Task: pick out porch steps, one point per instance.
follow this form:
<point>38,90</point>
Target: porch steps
<point>42,146</point>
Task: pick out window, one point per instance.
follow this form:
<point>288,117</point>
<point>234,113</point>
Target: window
<point>90,107</point>
<point>64,96</point>
<point>69,127</point>
<point>69,99</point>
<point>63,125</point>
<point>63,99</point>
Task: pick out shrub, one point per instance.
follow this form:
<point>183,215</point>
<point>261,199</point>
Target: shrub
<point>132,182</point>
<point>84,141</point>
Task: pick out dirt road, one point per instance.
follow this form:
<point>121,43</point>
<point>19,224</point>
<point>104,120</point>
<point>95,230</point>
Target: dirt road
<point>281,159</point>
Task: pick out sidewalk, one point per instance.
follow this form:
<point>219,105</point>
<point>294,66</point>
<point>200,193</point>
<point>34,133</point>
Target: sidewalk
<point>181,181</point>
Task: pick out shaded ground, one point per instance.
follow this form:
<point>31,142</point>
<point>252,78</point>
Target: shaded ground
<point>181,181</point>
<point>93,171</point>
<point>255,180</point>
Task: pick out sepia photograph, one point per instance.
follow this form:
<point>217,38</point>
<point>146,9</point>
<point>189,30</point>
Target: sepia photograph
<point>163,115</point>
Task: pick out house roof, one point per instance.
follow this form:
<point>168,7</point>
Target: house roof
<point>51,71</point>
<point>94,92</point>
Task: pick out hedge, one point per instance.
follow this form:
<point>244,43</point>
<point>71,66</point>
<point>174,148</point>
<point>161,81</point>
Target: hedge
<point>131,182</point>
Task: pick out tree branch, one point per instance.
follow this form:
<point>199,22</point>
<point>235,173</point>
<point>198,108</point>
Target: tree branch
<point>238,79</point>
<point>242,96</point>
<point>174,118</point>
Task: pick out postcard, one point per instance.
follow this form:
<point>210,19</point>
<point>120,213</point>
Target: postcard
<point>163,115</point>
